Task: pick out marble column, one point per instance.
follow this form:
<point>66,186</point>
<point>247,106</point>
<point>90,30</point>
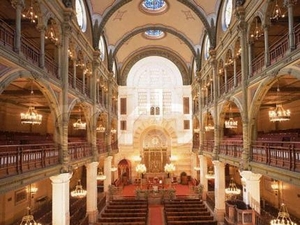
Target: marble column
<point>203,172</point>
<point>91,198</point>
<point>251,189</point>
<point>61,199</point>
<point>107,172</point>
<point>219,210</point>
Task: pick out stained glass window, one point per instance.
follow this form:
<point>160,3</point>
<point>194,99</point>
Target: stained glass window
<point>154,4</point>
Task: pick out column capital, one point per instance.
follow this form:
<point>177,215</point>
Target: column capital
<point>61,178</point>
<point>218,163</point>
<point>92,165</point>
<point>248,175</point>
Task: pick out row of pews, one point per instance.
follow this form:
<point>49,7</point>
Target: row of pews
<point>187,212</point>
<point>123,212</point>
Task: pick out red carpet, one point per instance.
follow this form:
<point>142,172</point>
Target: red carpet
<point>156,215</point>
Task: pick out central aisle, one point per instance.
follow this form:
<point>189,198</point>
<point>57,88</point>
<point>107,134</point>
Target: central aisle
<point>156,215</point>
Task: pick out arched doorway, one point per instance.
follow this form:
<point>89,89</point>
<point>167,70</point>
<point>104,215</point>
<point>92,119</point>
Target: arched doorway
<point>124,171</point>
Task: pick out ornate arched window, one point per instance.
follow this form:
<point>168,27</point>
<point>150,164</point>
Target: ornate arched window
<point>81,14</point>
<point>206,47</point>
<point>227,14</point>
<point>102,48</point>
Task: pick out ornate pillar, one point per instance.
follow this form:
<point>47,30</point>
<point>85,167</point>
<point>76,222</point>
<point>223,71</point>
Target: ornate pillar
<point>18,5</point>
<point>203,172</point>
<point>109,107</point>
<point>200,106</point>
<point>290,6</point>
<point>107,172</point>
<point>61,199</point>
<point>91,198</point>
<point>242,26</point>
<point>219,210</point>
<point>64,72</point>
<point>251,189</point>
<point>213,63</point>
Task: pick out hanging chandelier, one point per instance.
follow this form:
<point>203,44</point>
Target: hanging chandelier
<point>257,32</point>
<point>79,125</point>
<point>231,123</point>
<point>196,130</point>
<point>210,174</point>
<point>277,13</point>
<point>232,188</point>
<point>28,219</point>
<point>113,169</point>
<point>113,130</point>
<point>101,176</point>
<point>50,33</point>
<point>31,116</point>
<point>208,126</point>
<point>279,114</point>
<point>100,129</point>
<point>79,192</point>
<point>283,217</point>
<point>30,14</point>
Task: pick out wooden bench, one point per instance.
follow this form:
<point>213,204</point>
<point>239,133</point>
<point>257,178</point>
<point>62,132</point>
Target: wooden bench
<point>195,213</point>
<point>121,223</point>
<point>126,214</point>
<point>123,219</point>
<point>194,222</point>
<point>188,218</point>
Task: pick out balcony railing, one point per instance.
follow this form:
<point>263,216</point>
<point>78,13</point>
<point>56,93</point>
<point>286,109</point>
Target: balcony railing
<point>18,159</point>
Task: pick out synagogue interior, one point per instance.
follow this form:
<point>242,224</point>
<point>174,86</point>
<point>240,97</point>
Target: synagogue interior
<point>118,112</point>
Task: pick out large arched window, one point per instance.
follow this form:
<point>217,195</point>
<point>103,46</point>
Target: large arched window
<point>206,47</point>
<point>227,14</point>
<point>80,14</point>
<point>102,48</point>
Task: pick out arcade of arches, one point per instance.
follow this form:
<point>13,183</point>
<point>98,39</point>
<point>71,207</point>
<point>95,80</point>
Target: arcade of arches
<point>89,86</point>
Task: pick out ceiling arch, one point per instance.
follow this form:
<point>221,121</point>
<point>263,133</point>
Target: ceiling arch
<point>159,27</point>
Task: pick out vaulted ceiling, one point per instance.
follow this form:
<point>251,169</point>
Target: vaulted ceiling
<point>184,23</point>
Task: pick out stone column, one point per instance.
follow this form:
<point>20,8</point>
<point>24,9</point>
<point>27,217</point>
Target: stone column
<point>245,75</point>
<point>42,29</point>
<point>267,48</point>
<point>251,189</point>
<point>61,199</point>
<point>290,6</point>
<point>18,5</point>
<point>107,172</point>
<point>91,198</point>
<point>203,172</point>
<point>219,210</point>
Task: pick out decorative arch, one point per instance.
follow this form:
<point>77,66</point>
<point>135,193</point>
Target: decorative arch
<point>154,52</point>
